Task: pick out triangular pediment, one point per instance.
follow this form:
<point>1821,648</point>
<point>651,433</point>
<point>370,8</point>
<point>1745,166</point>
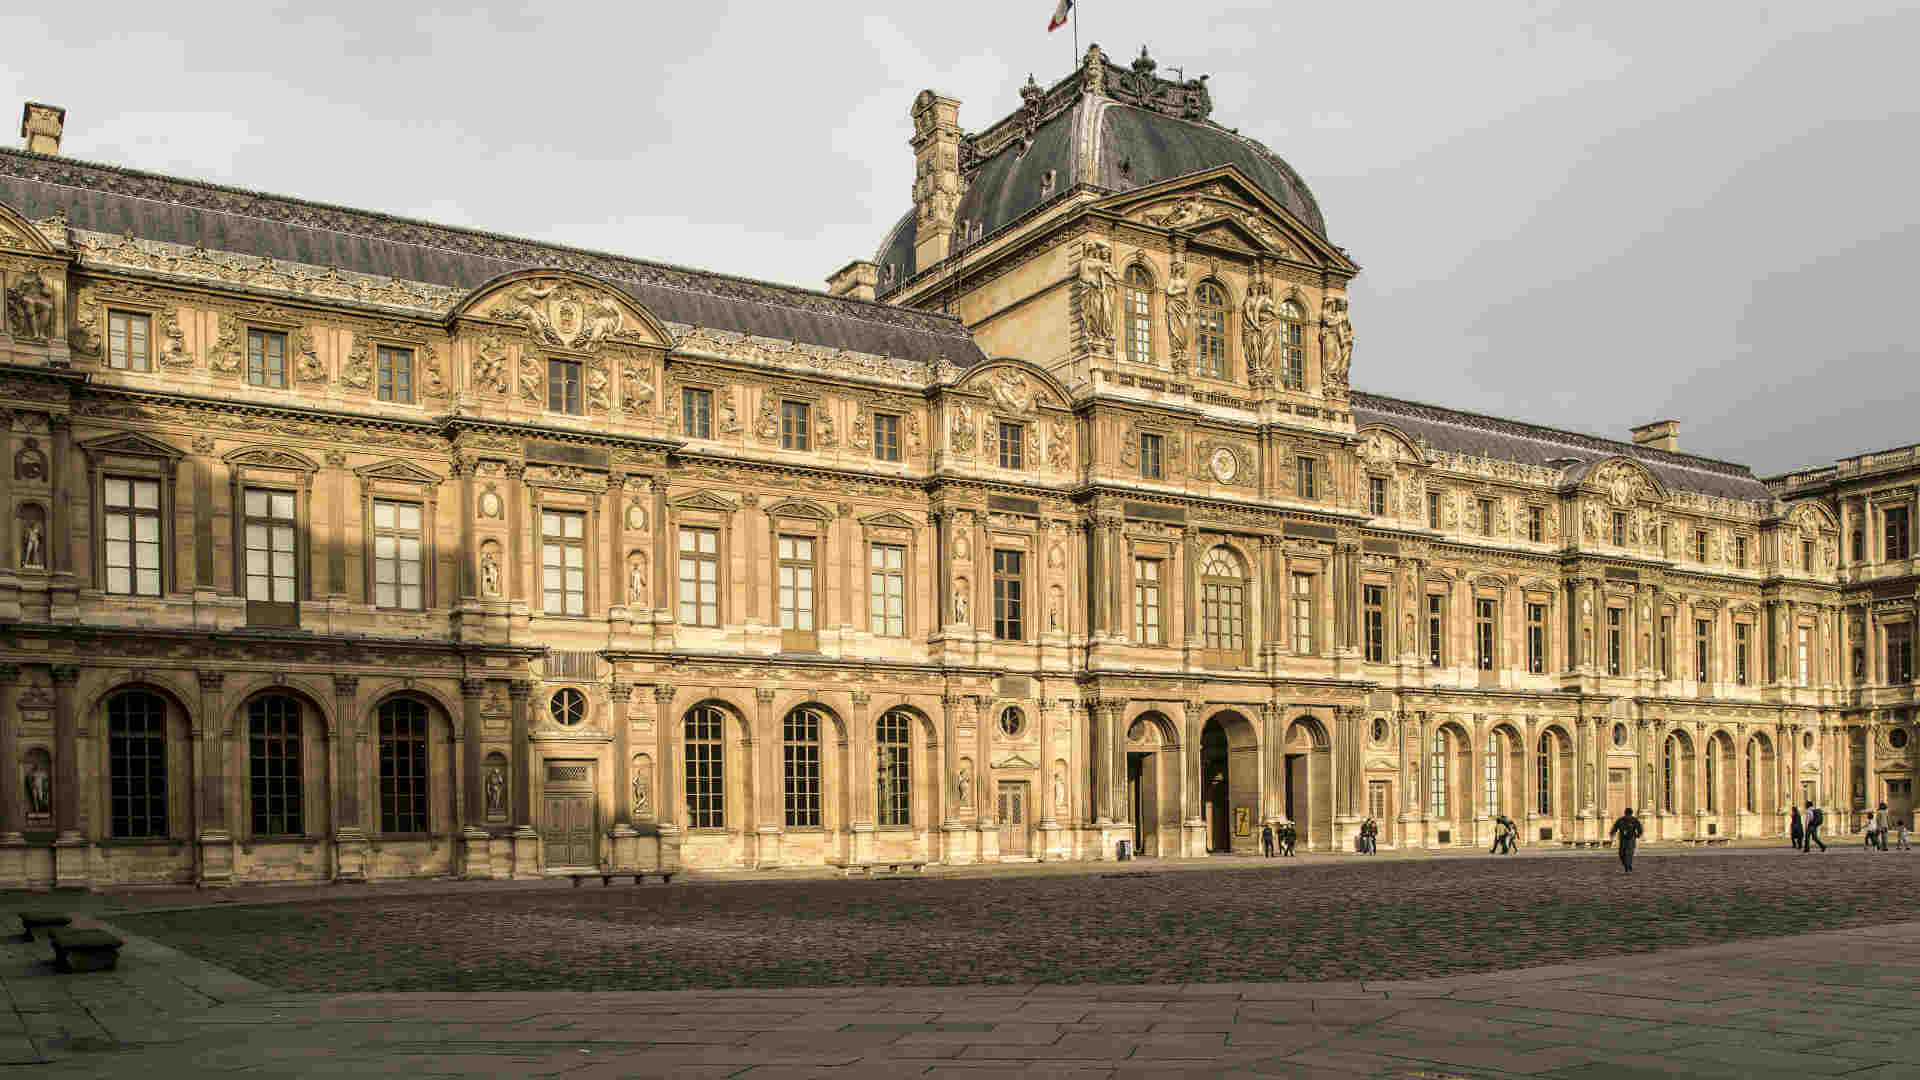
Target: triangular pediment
<point>264,457</point>
<point>1220,205</point>
<point>887,519</point>
<point>702,500</point>
<point>1015,761</point>
<point>800,508</point>
<point>397,470</point>
<point>131,444</point>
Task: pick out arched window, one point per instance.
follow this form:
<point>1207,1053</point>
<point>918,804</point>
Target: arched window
<point>1493,773</point>
<point>137,763</point>
<point>1666,789</point>
<point>403,766</point>
<point>1139,307</point>
<point>1293,350</point>
<point>893,772</point>
<point>1753,753</point>
<point>1223,617</point>
<point>706,769</point>
<point>800,756</point>
<point>1438,802</point>
<point>1210,330</point>
<point>1546,773</point>
<point>273,738</point>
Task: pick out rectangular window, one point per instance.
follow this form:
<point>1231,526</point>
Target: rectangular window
<point>699,577</point>
<point>1373,618</point>
<point>1537,638</point>
<point>1806,556</point>
<point>1486,517</point>
<point>800,763</point>
<point>397,561</point>
<point>696,412</point>
<point>1483,632</point>
<point>1859,547</point>
<point>563,561</point>
<point>889,590</point>
<point>1377,800</point>
<point>273,759</point>
<point>1899,653</point>
<point>1433,510</point>
<point>1437,792</point>
<point>1806,655</point>
<point>1146,601</point>
<point>796,582</point>
<point>132,521</point>
<point>1013,446</point>
<point>893,776</point>
<point>1895,518</point>
<point>395,374</point>
<point>266,358</point>
<point>128,335</point>
<point>1304,470</point>
<point>1294,367</point>
<point>1009,622</point>
<point>1536,524</point>
<point>1663,538</point>
<point>796,425</point>
<point>1663,646</point>
<point>1436,630</point>
<point>1740,552</point>
<point>706,768</point>
<point>1742,642</point>
<point>563,386</point>
<point>1702,648</point>
<point>1615,617</point>
<point>1699,545</point>
<point>1301,596</point>
<point>1619,529</point>
<point>1377,496</point>
<point>1150,464</point>
<point>886,437</point>
<point>271,574</point>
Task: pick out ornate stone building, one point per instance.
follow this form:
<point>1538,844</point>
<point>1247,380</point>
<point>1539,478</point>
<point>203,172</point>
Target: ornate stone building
<point>335,545</point>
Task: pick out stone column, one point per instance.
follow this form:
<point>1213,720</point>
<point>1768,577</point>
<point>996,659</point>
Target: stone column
<point>1347,720</point>
<point>1193,718</point>
<point>350,837</point>
<point>210,795</point>
<point>670,798</point>
<point>765,818</point>
<point>860,796</point>
<point>625,839</point>
<point>526,838</point>
<point>1418,790</point>
<point>987,817</point>
<point>951,825</point>
<point>1102,739</point>
<point>474,838</point>
<point>1273,761</point>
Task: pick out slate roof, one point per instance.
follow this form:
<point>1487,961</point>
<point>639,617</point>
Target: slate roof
<point>1533,444</point>
<point>1151,146</point>
<point>110,199</point>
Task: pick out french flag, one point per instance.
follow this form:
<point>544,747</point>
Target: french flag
<point>1060,15</point>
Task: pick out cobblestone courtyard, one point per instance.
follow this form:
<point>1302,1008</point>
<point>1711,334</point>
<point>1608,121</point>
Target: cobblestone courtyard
<point>1248,921</point>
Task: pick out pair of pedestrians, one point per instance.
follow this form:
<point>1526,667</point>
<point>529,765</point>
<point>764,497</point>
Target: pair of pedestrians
<point>1808,832</point>
<point>1877,827</point>
<point>1506,835</point>
<point>1277,841</point>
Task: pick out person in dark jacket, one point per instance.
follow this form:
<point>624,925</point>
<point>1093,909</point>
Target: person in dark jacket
<point>1797,831</point>
<point>1627,828</point>
<point>1266,840</point>
<point>1814,819</point>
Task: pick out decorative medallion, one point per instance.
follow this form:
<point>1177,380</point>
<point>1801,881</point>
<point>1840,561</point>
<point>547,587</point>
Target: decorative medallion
<point>490,506</point>
<point>1223,465</point>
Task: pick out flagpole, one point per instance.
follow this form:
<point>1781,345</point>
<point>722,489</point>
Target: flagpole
<point>1076,33</point>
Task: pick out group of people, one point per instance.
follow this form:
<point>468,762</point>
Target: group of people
<point>1506,835</point>
<point>1282,837</point>
<point>1881,823</point>
<point>1804,831</point>
<point>1369,837</point>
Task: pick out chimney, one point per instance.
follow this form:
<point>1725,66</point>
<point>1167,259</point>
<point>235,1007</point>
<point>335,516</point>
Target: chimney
<point>936,175</point>
<point>1660,435</point>
<point>41,126</point>
<point>857,279</point>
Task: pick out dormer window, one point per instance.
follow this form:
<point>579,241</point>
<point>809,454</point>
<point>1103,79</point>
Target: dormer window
<point>1293,350</point>
<point>1210,331</point>
<point>1139,315</point>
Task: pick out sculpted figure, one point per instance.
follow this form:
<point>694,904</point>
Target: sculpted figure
<point>1060,788</point>
<point>30,309</point>
<point>39,789</point>
<point>496,792</point>
<point>637,582</point>
<point>1010,392</point>
<point>1336,341</point>
<point>1256,327</point>
<point>530,380</point>
<point>960,601</point>
<point>1097,285</point>
<point>490,574</point>
<point>963,786</point>
<point>490,366</point>
<point>1179,310</point>
<point>30,546</point>
<point>642,795</point>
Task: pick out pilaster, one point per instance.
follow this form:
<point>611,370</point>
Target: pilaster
<point>351,845</point>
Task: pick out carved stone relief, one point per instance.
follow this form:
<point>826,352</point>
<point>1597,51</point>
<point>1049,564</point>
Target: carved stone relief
<point>490,366</point>
<point>226,355</point>
<point>636,389</point>
<point>30,308</point>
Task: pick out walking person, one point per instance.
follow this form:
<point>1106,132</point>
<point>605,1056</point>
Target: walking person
<point>1799,832</point>
<point>1880,826</point>
<point>1814,818</point>
<point>1900,826</point>
<point>1627,828</point>
<point>1369,836</point>
<point>1289,835</point>
<point>1266,839</point>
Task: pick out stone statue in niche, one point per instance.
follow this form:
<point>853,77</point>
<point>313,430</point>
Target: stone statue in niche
<point>642,793</point>
<point>496,787</point>
<point>963,785</point>
<point>1060,788</point>
<point>32,546</point>
<point>39,785</point>
<point>1055,604</point>
<point>1336,341</point>
<point>30,464</point>
<point>960,600</point>
<point>1097,285</point>
<point>489,574</point>
<point>30,308</point>
<point>637,580</point>
<point>1257,314</point>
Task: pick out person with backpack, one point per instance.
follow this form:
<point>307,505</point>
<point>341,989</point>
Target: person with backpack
<point>1796,830</point>
<point>1814,819</point>
<point>1627,828</point>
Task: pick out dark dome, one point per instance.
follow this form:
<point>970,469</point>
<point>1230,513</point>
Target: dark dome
<point>1132,147</point>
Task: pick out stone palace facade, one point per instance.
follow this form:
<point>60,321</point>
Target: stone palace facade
<point>341,546</point>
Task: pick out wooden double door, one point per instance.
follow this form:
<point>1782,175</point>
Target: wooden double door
<point>569,813</point>
<point>1013,818</point>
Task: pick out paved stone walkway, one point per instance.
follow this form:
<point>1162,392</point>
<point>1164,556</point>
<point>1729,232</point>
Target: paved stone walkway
<point>1829,1004</point>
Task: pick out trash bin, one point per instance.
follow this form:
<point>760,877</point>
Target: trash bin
<point>1122,850</point>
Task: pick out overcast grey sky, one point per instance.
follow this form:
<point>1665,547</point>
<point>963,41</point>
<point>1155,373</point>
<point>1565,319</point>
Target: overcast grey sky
<point>1587,215</point>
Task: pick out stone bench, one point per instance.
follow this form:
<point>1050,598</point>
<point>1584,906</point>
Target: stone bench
<point>638,876</point>
<point>85,950</point>
<point>893,866</point>
<point>41,920</point>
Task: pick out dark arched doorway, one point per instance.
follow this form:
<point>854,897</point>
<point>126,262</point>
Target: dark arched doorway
<point>1213,786</point>
<point>1230,783</point>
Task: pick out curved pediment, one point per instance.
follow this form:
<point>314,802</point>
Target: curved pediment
<point>800,508</point>
<point>18,234</point>
<point>1625,481</point>
<point>1812,518</point>
<point>888,519</point>
<point>1381,445</point>
<point>397,470</point>
<point>702,500</point>
<point>267,457</point>
<point>1014,387</point>
<point>564,310</point>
